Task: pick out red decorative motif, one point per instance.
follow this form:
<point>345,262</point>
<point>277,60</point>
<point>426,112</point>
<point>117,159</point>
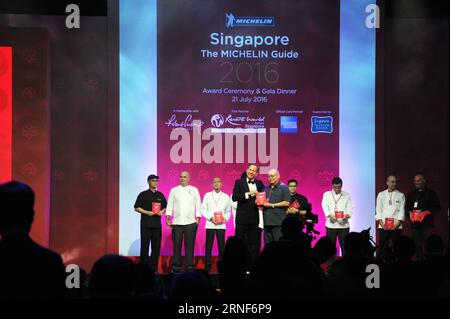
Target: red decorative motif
<point>29,131</point>
<point>295,174</point>
<point>203,175</point>
<point>29,92</point>
<point>59,175</point>
<point>325,176</point>
<point>90,176</point>
<point>29,169</point>
<point>30,55</point>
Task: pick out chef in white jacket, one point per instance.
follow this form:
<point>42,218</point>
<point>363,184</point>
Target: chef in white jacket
<point>338,209</point>
<point>182,216</point>
<point>216,208</point>
<point>390,214</point>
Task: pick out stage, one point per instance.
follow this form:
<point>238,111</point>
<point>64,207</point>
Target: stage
<point>94,101</point>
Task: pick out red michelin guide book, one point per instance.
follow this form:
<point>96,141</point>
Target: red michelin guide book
<point>156,207</point>
<point>339,214</point>
<point>389,223</point>
<point>261,198</point>
<point>218,217</point>
<point>424,214</point>
<point>295,205</point>
<point>415,215</point>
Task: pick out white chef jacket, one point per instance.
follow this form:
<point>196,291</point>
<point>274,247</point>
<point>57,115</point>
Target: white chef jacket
<point>390,205</point>
<point>340,202</point>
<point>184,204</point>
<point>216,202</point>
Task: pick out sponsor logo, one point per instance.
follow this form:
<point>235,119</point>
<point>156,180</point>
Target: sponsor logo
<point>231,21</point>
<point>187,122</point>
<point>217,120</point>
<point>322,124</point>
<point>288,124</point>
<point>207,146</point>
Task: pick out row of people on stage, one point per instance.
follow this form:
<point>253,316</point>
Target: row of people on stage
<point>263,208</point>
<point>393,208</point>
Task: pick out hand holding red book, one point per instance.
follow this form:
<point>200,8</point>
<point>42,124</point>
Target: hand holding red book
<point>339,214</point>
<point>156,207</point>
<point>423,215</point>
<point>295,205</point>
<point>218,218</point>
<point>389,223</point>
<point>416,215</point>
<point>261,198</point>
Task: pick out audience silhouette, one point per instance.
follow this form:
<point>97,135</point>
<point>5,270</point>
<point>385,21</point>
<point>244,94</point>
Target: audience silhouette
<point>27,270</point>
<point>289,268</point>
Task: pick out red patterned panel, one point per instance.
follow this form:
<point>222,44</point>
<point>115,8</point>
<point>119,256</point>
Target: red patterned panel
<point>5,113</point>
<point>30,152</point>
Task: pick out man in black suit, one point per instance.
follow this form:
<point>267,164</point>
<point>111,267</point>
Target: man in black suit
<point>423,199</point>
<point>27,270</point>
<point>247,214</point>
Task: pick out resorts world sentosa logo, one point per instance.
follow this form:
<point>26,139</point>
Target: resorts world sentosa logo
<point>232,21</point>
<point>217,120</point>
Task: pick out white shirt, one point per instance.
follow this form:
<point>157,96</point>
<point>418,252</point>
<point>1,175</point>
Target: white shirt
<point>260,212</point>
<point>216,202</point>
<point>184,204</point>
<point>261,218</point>
<point>340,202</point>
<point>390,205</point>
<point>234,207</point>
<point>251,187</point>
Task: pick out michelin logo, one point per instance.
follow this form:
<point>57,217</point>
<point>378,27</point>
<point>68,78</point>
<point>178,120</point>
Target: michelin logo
<point>232,21</point>
<point>321,124</point>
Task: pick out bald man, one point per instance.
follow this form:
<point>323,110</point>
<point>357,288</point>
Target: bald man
<point>274,212</point>
<point>216,208</point>
<point>184,205</point>
<point>390,205</point>
<point>425,200</point>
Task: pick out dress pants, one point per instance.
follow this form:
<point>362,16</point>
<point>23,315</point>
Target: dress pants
<point>419,235</point>
<point>220,235</point>
<point>153,235</point>
<point>337,233</point>
<point>271,234</point>
<point>186,233</point>
<point>251,235</point>
<point>384,236</point>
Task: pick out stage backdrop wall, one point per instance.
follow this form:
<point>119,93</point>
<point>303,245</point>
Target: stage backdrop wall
<point>83,100</point>
<point>26,116</point>
<point>412,100</point>
<point>324,129</point>
<point>72,95</point>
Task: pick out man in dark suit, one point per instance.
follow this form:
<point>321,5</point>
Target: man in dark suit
<point>27,270</point>
<point>247,214</point>
<point>423,199</point>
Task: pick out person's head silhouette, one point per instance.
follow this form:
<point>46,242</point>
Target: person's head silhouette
<point>16,207</point>
<point>404,248</point>
<point>291,228</point>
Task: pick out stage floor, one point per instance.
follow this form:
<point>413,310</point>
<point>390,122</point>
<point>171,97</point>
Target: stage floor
<point>164,264</point>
